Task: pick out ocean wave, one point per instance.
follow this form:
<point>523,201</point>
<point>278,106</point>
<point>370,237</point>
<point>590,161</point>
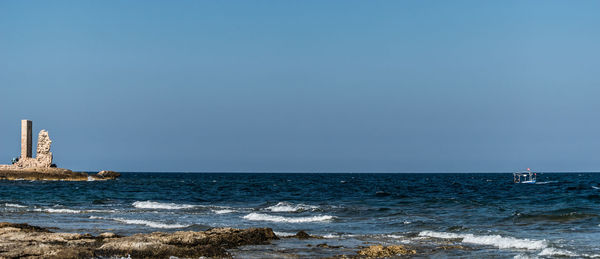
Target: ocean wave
<point>58,210</point>
<point>289,207</point>
<point>284,234</point>
<point>562,215</point>
<point>336,235</point>
<point>160,205</point>
<point>554,252</point>
<point>223,211</point>
<point>72,211</point>
<point>13,205</point>
<point>152,224</point>
<point>493,240</point>
<point>395,236</point>
<point>62,211</point>
<point>266,217</point>
<point>550,251</point>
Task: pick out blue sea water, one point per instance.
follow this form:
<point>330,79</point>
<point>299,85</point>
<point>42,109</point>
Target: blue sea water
<point>441,215</point>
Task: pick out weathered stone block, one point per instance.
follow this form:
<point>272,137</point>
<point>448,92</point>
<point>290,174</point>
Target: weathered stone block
<point>26,139</point>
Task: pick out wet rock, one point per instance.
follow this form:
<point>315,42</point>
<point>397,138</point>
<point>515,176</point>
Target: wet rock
<point>325,245</point>
<point>379,251</point>
<point>22,240</point>
<point>108,174</point>
<point>451,247</point>
<point>303,235</point>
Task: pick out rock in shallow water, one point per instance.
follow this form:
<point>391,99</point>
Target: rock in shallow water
<point>379,251</point>
<point>22,240</point>
<point>108,174</point>
<point>303,235</point>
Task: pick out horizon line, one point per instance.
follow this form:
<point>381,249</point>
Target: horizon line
<point>339,172</point>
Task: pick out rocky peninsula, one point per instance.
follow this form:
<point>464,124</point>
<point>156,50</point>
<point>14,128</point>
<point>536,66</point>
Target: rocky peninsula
<point>41,167</point>
<point>52,174</point>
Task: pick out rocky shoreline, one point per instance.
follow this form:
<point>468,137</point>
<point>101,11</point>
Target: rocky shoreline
<point>26,241</point>
<point>52,174</point>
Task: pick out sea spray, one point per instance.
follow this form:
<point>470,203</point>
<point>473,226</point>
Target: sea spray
<point>289,207</point>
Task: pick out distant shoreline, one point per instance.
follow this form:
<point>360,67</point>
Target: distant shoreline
<point>53,174</point>
<point>251,172</point>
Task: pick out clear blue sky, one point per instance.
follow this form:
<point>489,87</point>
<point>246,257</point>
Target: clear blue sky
<point>344,86</point>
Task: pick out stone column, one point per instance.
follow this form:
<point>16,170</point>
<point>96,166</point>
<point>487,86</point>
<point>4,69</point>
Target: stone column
<point>26,138</point>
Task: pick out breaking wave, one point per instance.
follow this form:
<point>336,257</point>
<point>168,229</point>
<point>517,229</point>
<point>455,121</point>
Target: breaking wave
<point>71,211</point>
<point>289,207</point>
<point>148,223</point>
<point>223,211</point>
<point>61,211</point>
<point>12,205</point>
<point>549,251</point>
<point>337,235</point>
<point>283,234</point>
<point>493,240</point>
<point>160,205</point>
<point>265,217</point>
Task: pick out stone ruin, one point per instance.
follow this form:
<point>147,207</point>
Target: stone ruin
<point>43,157</point>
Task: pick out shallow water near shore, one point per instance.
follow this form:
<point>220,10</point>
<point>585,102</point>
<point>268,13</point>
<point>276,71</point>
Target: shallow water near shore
<point>447,215</point>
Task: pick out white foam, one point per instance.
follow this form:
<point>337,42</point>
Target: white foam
<point>288,207</point>
<point>395,236</point>
<point>90,178</point>
<point>64,211</point>
<point>493,240</point>
<point>283,234</point>
<point>266,217</point>
<point>99,211</point>
<point>160,205</point>
<point>59,210</point>
<point>549,251</point>
<point>596,187</point>
<point>12,205</point>
<point>331,235</point>
<point>148,223</point>
<point>223,211</point>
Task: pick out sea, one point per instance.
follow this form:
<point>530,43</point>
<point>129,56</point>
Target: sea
<point>440,215</point>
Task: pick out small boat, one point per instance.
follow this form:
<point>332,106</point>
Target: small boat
<point>525,177</point>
